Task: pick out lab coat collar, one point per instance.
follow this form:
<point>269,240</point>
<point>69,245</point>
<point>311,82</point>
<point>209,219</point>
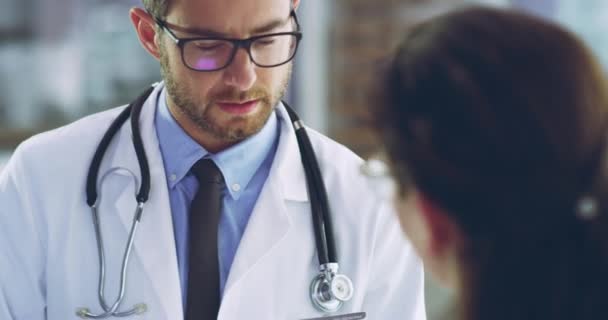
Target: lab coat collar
<point>287,165</point>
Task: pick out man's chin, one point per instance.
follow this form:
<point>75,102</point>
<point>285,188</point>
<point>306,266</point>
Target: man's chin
<point>237,128</point>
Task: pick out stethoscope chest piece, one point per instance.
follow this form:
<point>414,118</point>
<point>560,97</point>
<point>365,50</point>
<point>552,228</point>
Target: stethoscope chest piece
<point>329,290</point>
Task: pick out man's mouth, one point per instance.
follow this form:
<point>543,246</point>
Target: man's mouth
<point>238,107</point>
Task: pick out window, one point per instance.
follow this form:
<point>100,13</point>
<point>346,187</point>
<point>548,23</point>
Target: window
<point>62,60</point>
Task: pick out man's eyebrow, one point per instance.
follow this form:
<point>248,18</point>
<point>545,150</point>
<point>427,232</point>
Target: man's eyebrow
<point>195,31</point>
<point>205,32</point>
<point>270,26</point>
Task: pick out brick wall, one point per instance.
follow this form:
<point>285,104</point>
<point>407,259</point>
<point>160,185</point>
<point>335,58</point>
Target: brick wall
<point>362,35</point>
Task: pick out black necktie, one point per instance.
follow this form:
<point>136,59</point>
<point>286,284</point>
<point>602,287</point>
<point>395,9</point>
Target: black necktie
<point>203,276</point>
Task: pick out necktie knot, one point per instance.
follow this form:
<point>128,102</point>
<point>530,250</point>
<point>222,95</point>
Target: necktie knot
<point>206,171</point>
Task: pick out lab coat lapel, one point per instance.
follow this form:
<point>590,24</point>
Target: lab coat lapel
<point>270,221</point>
<point>154,242</point>
<point>287,170</point>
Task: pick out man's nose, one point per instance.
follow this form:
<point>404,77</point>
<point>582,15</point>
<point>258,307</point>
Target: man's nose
<point>240,73</point>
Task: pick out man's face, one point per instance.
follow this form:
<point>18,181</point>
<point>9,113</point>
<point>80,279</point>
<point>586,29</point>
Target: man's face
<point>233,103</point>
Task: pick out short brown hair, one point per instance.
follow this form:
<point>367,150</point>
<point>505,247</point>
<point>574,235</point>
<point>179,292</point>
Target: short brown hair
<point>158,8</point>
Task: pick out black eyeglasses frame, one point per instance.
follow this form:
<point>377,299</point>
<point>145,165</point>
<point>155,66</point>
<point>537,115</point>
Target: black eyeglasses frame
<point>237,43</point>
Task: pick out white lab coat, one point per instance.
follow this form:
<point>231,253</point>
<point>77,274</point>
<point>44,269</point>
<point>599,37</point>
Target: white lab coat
<point>48,255</point>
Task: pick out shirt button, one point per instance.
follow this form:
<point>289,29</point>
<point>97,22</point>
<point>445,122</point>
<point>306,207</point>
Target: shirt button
<point>172,177</point>
<point>236,187</point>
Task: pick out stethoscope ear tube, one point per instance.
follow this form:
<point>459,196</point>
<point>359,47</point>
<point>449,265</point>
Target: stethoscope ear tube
<point>93,173</point>
<point>144,190</point>
<point>98,156</point>
<point>316,189</point>
<point>317,215</point>
<point>322,197</point>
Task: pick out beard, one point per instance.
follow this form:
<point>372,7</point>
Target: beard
<point>200,113</point>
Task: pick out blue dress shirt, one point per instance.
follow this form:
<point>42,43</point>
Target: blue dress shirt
<point>245,167</point>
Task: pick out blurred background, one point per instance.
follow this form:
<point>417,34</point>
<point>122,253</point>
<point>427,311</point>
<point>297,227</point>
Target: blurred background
<point>63,59</point>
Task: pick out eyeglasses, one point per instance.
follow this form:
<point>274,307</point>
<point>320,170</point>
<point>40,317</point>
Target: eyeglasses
<point>215,53</point>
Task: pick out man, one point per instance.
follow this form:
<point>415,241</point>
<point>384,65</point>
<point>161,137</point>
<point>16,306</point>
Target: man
<point>217,120</point>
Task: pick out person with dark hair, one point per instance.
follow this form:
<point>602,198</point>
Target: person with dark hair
<point>495,125</point>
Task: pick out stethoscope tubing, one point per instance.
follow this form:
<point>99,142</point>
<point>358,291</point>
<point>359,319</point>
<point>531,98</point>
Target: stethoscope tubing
<point>323,227</point>
<point>133,111</point>
<point>112,311</point>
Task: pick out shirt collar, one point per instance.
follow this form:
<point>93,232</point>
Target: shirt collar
<point>238,163</point>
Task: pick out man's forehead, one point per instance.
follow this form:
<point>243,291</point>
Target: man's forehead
<point>228,16</point>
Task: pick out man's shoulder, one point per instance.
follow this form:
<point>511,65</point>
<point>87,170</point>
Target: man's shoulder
<point>326,147</point>
<point>334,156</point>
<point>73,136</point>
<point>341,169</point>
<point>66,146</point>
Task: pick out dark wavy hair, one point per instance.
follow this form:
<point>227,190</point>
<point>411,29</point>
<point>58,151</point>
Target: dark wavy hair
<point>500,119</point>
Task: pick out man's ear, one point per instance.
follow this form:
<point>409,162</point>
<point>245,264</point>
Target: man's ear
<point>146,31</point>
<point>444,235</point>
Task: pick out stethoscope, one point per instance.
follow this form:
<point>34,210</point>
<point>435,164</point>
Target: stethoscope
<point>328,290</point>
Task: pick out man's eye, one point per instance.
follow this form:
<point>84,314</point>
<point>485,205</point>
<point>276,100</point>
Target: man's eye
<point>208,46</point>
<point>265,42</point>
